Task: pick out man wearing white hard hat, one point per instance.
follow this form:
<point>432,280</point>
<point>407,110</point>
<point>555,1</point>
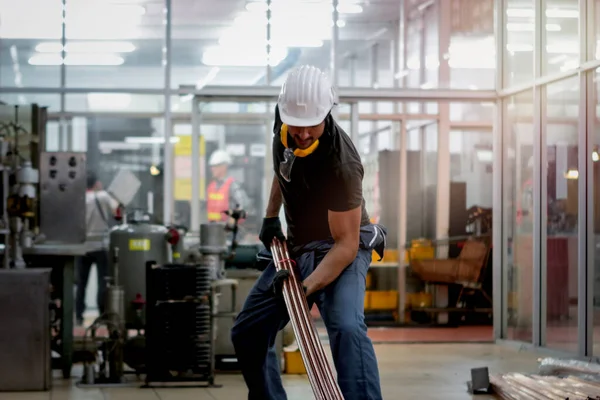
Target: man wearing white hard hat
<point>224,192</point>
<point>318,179</point>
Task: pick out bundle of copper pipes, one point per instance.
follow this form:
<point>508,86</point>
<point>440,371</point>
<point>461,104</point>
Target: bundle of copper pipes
<point>535,387</point>
<point>317,366</point>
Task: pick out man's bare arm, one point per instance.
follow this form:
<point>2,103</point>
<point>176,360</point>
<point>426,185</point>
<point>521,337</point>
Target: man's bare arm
<point>345,229</point>
<point>275,200</point>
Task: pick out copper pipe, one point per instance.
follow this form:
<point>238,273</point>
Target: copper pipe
<point>334,389</point>
<point>317,366</point>
<point>308,354</point>
<point>298,314</point>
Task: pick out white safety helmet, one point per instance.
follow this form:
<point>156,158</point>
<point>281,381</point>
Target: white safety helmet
<point>306,97</point>
<point>219,157</point>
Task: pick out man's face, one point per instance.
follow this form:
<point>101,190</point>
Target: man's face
<point>219,171</point>
<point>305,136</point>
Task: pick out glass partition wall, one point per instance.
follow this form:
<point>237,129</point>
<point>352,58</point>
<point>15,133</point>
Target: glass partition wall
<point>546,138</point>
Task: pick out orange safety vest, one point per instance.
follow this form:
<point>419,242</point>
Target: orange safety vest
<point>218,200</point>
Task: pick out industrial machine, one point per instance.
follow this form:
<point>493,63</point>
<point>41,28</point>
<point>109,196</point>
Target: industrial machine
<point>42,217</point>
<point>172,306</point>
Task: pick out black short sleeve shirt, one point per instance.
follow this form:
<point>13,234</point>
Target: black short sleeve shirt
<point>328,179</point>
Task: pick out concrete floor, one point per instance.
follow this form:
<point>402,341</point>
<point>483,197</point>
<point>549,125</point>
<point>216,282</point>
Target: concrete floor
<point>424,371</point>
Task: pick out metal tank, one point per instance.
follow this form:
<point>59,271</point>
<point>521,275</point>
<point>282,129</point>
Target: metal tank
<point>132,244</point>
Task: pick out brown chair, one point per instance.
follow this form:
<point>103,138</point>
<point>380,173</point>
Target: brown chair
<point>467,269</point>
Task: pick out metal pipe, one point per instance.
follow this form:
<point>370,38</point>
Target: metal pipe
<point>168,148</point>
<point>318,369</point>
<point>334,45</point>
<point>195,208</point>
<point>314,338</point>
<point>294,310</point>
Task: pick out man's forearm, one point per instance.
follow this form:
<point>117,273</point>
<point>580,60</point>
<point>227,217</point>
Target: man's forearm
<point>275,199</point>
<point>334,263</point>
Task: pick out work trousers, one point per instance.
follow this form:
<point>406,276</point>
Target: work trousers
<point>342,307</point>
<point>84,266</point>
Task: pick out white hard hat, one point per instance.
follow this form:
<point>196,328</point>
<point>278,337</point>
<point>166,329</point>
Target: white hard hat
<point>219,157</point>
<point>306,97</point>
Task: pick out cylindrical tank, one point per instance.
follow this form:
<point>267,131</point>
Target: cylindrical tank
<point>138,241</point>
<point>213,247</point>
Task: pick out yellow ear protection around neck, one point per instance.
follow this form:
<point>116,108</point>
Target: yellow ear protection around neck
<point>283,133</point>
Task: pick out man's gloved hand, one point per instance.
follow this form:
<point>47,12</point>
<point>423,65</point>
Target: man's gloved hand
<point>278,280</point>
<point>271,228</point>
<point>277,285</point>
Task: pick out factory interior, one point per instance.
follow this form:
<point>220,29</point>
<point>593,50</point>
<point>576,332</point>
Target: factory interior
<point>478,126</point>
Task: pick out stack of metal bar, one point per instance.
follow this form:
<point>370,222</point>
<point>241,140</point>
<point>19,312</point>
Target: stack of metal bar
<point>557,380</point>
<point>317,366</point>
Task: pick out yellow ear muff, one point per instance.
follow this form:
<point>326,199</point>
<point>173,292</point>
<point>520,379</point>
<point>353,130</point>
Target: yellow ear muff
<point>283,133</point>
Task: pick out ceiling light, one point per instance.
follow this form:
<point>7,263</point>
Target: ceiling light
<point>77,60</point>
<point>551,13</point>
<point>520,13</point>
<point>528,27</point>
<point>595,156</point>
<point>349,8</point>
<point>520,47</point>
<point>94,59</point>
<point>242,56</point>
<point>150,139</point>
<point>86,47</point>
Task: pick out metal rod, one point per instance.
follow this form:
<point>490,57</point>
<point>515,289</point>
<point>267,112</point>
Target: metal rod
<point>499,300</point>
<point>168,147</point>
<point>270,93</point>
<point>334,44</point>
<point>195,166</point>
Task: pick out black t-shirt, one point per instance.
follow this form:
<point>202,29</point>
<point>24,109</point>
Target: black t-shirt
<point>328,179</point>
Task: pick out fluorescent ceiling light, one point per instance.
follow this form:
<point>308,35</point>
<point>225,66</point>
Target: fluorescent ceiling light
<point>108,101</point>
<point>528,27</point>
<point>242,56</point>
<point>149,139</point>
<point>86,47</point>
<point>519,47</point>
<point>77,60</point>
<point>294,6</point>
<point>551,13</point>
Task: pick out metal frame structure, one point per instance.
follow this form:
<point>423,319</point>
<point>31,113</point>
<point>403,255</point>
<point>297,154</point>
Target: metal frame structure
<point>399,95</point>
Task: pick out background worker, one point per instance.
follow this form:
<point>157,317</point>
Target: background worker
<point>100,210</point>
<point>223,192</point>
<point>318,177</point>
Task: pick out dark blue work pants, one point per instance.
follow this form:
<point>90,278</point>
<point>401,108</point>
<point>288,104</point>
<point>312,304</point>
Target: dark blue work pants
<point>342,307</point>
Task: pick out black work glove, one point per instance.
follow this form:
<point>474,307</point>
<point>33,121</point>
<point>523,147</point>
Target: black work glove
<point>278,280</point>
<point>271,228</point>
